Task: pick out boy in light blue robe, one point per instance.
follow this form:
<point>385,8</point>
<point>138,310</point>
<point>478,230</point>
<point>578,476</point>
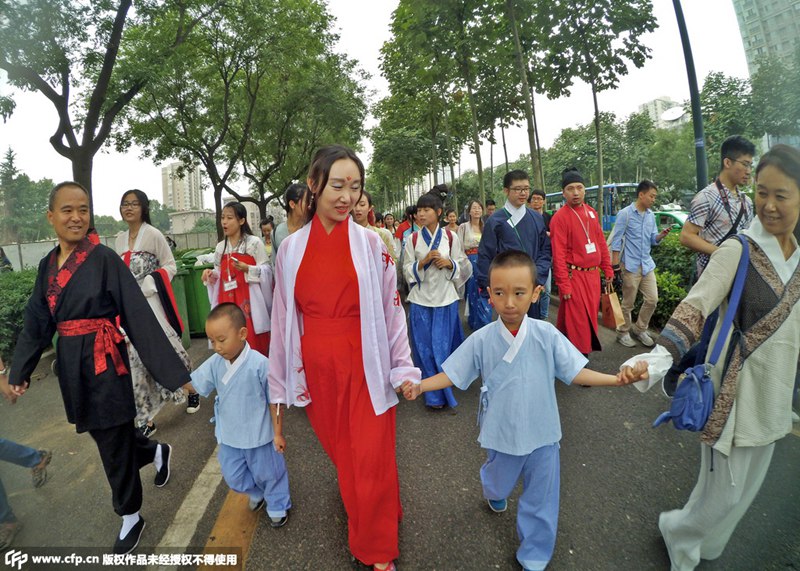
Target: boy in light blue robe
<point>519,358</point>
<point>248,430</point>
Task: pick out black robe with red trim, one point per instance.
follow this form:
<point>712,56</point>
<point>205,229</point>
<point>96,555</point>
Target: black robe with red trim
<point>100,287</point>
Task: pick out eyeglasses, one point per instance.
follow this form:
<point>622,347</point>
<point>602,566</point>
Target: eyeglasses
<point>520,189</point>
<point>130,205</point>
<point>745,164</point>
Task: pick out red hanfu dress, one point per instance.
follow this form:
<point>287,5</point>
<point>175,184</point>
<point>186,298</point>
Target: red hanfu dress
<point>240,295</point>
<point>577,240</point>
<point>360,443</point>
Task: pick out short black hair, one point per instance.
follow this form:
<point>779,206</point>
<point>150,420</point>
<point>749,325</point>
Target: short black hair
<point>735,147</point>
<point>231,311</point>
<point>430,200</point>
<point>268,220</point>
<point>538,192</point>
<point>490,202</point>
<point>511,176</point>
<point>645,186</point>
<point>51,199</point>
<point>513,259</point>
<point>784,158</point>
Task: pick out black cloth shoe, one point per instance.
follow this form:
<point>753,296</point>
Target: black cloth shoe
<point>162,476</point>
<point>131,540</point>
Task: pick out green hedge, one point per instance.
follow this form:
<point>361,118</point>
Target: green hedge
<point>15,289</point>
<point>670,256</point>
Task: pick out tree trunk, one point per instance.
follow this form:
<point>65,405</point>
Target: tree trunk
<point>434,157</point>
<point>538,145</point>
<point>522,68</point>
<point>599,155</point>
<point>476,138</point>
<point>450,159</point>
<point>82,163</point>
<point>491,166</point>
<point>505,149</point>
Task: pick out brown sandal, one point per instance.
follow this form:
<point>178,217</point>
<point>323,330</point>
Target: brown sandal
<point>39,472</point>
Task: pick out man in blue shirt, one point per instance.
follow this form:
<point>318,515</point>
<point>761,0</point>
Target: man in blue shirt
<point>634,234</point>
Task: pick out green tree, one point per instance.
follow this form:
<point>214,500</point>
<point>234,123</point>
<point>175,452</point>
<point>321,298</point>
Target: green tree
<point>159,215</point>
<point>202,109</point>
<point>670,161</point>
<point>69,51</point>
<point>593,41</point>
<point>638,138</point>
<point>108,225</point>
<point>727,108</point>
<point>203,226</point>
<point>24,204</point>
<point>774,95</point>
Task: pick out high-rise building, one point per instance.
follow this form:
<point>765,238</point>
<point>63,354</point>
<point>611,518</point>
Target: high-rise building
<point>769,28</point>
<point>181,192</point>
<point>656,109</point>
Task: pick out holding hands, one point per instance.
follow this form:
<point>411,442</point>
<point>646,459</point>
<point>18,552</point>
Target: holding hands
<point>410,390</point>
<point>638,372</point>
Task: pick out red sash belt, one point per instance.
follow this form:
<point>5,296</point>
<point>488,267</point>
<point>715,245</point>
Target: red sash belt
<point>105,342</point>
<point>471,251</point>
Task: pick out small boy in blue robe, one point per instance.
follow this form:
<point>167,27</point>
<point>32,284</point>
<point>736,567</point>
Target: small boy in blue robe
<point>248,429</point>
<point>519,359</point>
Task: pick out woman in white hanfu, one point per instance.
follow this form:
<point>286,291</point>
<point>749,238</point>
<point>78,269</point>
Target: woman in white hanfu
<point>146,252</point>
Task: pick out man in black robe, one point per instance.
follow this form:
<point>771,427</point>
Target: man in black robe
<point>81,290</point>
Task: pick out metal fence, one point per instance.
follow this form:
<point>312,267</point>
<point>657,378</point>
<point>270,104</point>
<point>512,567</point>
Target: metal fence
<point>28,254</point>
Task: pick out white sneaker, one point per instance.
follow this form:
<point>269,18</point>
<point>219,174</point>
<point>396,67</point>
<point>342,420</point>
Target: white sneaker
<point>646,340</point>
<point>625,339</point>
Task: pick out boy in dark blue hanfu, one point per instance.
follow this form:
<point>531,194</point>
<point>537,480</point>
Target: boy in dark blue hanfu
<point>515,227</point>
<point>248,429</point>
<point>519,358</point>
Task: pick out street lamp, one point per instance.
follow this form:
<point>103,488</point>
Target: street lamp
<point>694,93</point>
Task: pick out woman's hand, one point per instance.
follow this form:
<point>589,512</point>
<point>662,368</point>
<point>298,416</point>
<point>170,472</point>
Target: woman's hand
<point>208,277</point>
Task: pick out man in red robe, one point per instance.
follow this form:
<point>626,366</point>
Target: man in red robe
<point>579,253</point>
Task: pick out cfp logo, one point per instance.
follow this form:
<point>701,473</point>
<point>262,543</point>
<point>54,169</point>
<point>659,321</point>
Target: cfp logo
<point>16,559</point>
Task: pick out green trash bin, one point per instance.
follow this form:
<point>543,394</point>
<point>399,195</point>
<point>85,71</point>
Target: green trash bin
<point>197,299</point>
<point>179,289</point>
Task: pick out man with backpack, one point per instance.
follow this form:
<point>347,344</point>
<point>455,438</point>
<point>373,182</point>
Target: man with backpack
<point>721,209</point>
<point>635,233</point>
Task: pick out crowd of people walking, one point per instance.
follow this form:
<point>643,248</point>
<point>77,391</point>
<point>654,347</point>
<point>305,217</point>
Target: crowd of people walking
<point>340,309</point>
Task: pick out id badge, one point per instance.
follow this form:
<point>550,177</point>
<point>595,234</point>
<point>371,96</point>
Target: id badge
<point>591,248</point>
<point>591,214</point>
<point>229,285</point>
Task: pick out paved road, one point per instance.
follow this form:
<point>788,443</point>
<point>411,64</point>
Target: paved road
<point>617,474</point>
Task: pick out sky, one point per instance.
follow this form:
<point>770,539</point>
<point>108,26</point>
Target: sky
<point>713,32</point>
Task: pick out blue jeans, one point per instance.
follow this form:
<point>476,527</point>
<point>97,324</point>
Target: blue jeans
<point>544,299</point>
<point>21,456</point>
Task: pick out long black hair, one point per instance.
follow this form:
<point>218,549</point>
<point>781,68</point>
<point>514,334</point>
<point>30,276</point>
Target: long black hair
<point>144,202</point>
<point>240,212</point>
<point>320,170</point>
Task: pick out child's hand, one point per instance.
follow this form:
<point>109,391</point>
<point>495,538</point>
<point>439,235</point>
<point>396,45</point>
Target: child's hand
<point>431,256</point>
<point>410,390</point>
<point>633,374</point>
<point>279,442</point>
<point>443,263</point>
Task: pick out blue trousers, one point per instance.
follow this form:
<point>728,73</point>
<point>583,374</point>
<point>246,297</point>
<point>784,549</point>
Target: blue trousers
<point>20,455</point>
<point>480,312</point>
<point>259,473</point>
<point>537,516</point>
<point>435,333</point>
<point>544,298</point>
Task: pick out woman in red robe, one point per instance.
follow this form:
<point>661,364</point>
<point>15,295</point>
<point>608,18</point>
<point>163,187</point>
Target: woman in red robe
<point>336,282</point>
<point>579,253</point>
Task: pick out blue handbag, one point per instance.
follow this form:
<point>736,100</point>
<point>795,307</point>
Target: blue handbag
<point>694,397</point>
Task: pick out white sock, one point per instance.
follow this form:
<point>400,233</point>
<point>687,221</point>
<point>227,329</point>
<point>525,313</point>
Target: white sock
<point>128,521</point>
<point>158,460</point>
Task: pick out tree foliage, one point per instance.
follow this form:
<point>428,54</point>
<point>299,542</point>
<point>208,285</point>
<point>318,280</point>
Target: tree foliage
<point>24,204</point>
<point>69,51</point>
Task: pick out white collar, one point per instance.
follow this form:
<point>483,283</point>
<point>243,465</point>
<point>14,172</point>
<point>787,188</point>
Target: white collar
<point>231,368</point>
<point>769,243</point>
<point>517,213</point>
<point>514,342</point>
<point>139,235</point>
